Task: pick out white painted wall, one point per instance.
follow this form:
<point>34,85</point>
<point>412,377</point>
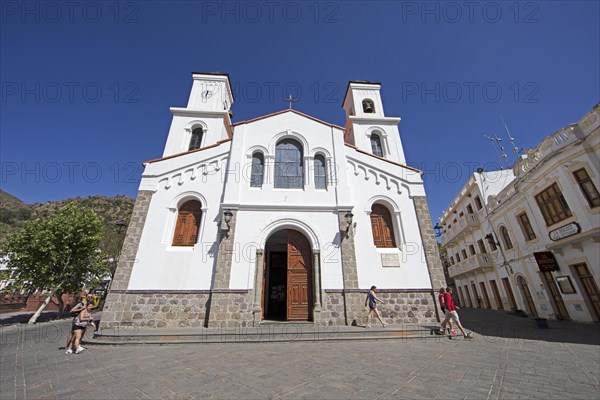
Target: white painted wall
<point>219,177</point>
<point>159,265</point>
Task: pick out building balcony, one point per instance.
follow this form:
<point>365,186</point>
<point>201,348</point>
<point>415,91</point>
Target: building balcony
<point>478,262</point>
<point>465,225</point>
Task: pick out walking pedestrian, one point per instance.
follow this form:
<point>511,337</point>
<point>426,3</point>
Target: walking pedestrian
<point>84,319</point>
<point>371,302</point>
<point>75,310</point>
<point>452,314</point>
<point>442,301</point>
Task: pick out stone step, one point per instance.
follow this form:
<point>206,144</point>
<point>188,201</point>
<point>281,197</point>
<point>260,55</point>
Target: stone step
<point>265,333</point>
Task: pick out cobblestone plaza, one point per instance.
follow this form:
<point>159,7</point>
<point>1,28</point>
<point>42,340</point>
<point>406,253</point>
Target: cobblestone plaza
<point>510,358</point>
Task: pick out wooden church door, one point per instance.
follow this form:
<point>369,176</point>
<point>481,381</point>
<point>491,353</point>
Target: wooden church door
<point>299,278</point>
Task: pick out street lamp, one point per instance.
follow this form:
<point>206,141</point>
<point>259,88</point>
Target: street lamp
<point>225,227</point>
<point>349,225</point>
<point>120,225</point>
<point>438,229</point>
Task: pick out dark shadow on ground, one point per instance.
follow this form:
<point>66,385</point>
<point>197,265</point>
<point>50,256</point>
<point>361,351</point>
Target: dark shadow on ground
<point>23,317</point>
<point>493,324</point>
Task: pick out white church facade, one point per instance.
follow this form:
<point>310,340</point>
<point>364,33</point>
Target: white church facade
<point>282,217</point>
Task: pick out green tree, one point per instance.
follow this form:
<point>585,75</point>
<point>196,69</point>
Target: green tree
<point>59,253</point>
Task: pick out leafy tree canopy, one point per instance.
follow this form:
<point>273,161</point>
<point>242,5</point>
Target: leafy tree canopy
<point>59,252</point>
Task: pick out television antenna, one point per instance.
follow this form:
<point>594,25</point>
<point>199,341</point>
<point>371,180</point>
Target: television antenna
<point>499,149</point>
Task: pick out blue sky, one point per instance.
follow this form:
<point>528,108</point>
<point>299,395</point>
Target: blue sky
<point>87,86</point>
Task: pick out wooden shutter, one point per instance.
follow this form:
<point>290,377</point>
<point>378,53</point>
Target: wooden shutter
<point>382,227</point>
<point>188,224</point>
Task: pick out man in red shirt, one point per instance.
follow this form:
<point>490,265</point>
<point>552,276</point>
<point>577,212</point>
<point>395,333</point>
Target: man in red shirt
<point>442,302</point>
<point>452,314</point>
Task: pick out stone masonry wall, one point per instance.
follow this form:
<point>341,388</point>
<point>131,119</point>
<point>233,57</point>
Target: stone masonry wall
<point>157,310</point>
<point>432,255</point>
<point>126,260</point>
<point>229,308</point>
<point>402,307</point>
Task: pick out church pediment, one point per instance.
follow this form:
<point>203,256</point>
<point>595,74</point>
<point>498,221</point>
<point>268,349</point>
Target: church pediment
<point>284,114</point>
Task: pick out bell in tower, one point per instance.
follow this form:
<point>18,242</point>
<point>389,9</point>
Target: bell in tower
<point>368,106</point>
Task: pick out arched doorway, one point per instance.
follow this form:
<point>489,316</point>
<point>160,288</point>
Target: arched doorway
<point>528,300</point>
<point>287,277</point>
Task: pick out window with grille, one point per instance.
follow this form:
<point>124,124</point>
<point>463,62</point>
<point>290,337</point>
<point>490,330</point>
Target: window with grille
<point>376,145</point>
<point>196,140</point>
<point>506,238</point>
<point>552,204</point>
<point>320,172</point>
<point>587,187</point>
<point>258,167</point>
<point>481,245</point>
<point>478,202</point>
<point>526,226</point>
<point>491,242</point>
<point>288,165</point>
<point>188,223</point>
<point>382,227</point>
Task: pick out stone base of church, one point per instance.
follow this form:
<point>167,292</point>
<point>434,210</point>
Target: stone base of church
<point>155,309</point>
<point>416,307</point>
<point>234,308</point>
<point>231,308</point>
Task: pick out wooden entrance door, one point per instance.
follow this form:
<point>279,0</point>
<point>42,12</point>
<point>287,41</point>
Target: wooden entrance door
<point>556,299</point>
<point>299,278</point>
<point>589,287</point>
<point>499,305</point>
<point>468,297</point>
<point>477,298</point>
<point>509,294</point>
<point>527,296</point>
<point>486,299</point>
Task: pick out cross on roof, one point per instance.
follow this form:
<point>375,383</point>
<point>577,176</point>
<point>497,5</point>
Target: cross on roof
<point>290,100</point>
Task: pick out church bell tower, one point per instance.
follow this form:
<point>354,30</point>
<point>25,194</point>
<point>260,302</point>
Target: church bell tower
<point>367,127</point>
<point>207,118</point>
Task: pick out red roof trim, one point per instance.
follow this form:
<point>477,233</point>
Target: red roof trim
<point>383,159</point>
<point>288,110</point>
<point>220,142</point>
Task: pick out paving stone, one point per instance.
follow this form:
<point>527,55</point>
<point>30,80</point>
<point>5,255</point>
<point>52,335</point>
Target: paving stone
<point>560,363</point>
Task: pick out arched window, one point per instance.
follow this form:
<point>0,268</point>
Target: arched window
<point>196,140</point>
<point>506,238</point>
<point>288,165</point>
<point>376,145</point>
<point>382,226</point>
<point>368,106</point>
<point>188,223</point>
<point>320,172</point>
<point>258,167</point>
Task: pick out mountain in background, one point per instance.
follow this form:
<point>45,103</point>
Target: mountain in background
<point>14,213</point>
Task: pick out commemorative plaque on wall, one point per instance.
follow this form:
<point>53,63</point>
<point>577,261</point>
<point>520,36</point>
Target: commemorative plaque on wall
<point>390,260</point>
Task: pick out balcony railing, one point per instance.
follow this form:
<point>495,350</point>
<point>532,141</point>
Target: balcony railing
<point>460,228</point>
<point>476,262</point>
